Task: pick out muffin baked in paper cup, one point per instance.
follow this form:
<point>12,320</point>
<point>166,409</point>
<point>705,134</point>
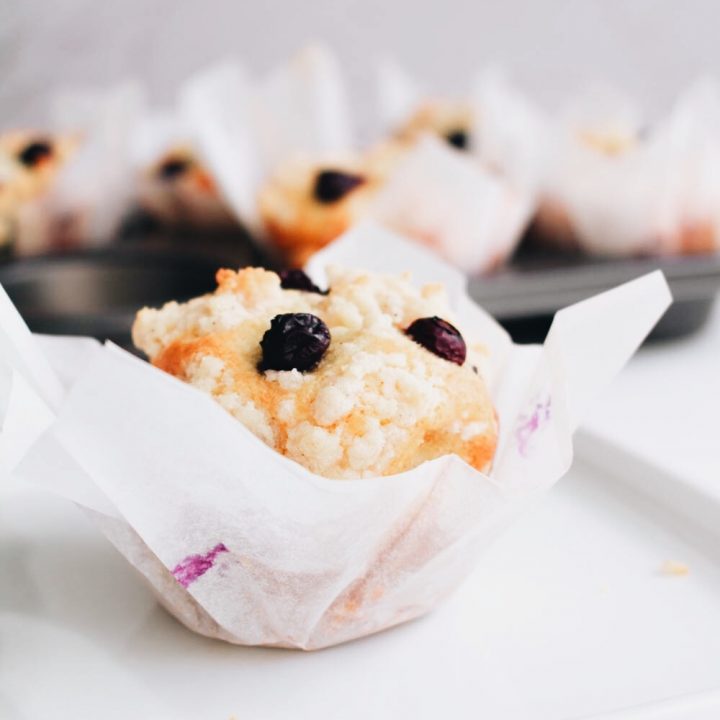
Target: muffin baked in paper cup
<point>471,206</point>
<point>93,191</point>
<point>171,183</point>
<point>507,130</point>
<point>241,543</point>
<point>616,187</point>
<point>298,117</point>
<point>690,139</point>
<point>245,126</point>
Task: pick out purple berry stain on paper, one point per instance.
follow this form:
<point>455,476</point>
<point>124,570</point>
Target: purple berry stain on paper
<point>530,423</point>
<point>187,571</point>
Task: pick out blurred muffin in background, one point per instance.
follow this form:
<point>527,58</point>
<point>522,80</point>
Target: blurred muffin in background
<point>425,190</point>
<point>593,135</point>
<point>614,187</point>
<point>553,225</point>
<point>29,163</point>
<point>178,190</point>
<point>35,159</point>
<point>306,204</point>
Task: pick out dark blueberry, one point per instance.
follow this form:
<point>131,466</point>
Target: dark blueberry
<point>34,152</point>
<point>294,341</point>
<point>458,139</point>
<point>439,337</point>
<point>332,185</point>
<point>173,168</point>
<point>298,280</point>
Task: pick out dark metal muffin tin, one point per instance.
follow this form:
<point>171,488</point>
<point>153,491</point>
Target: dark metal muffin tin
<point>97,292</point>
<point>525,295</point>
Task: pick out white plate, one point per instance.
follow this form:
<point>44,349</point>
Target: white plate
<point>568,616</point>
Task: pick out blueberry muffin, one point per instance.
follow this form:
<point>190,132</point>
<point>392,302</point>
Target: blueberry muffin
<point>368,378</point>
<point>553,225</point>
<point>34,159</point>
<point>178,190</point>
<point>306,205</point>
<point>29,163</point>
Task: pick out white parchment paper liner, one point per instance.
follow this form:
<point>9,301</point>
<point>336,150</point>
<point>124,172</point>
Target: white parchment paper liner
<point>245,545</point>
<point>472,207</point>
<point>185,201</point>
<point>509,130</point>
<point>94,189</point>
<point>466,213</point>
<point>643,199</point>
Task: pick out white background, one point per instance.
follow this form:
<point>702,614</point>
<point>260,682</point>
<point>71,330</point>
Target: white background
<point>650,47</point>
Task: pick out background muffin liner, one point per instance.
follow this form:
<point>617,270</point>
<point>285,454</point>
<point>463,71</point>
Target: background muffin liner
<point>190,199</point>
<point>508,132</point>
<point>655,196</point>
<point>241,543</point>
<point>449,203</point>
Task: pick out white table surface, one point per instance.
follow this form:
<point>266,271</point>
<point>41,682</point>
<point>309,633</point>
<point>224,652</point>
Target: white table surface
<point>81,636</point>
<point>543,629</point>
<point>665,406</point>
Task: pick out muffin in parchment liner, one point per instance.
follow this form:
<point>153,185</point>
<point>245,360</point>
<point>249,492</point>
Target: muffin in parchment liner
<point>87,195</point>
<point>30,161</point>
<point>241,543</point>
<point>494,137</point>
<point>178,191</point>
<point>406,110</point>
<point>597,131</point>
<point>493,121</point>
<point>309,202</point>
<point>615,185</point>
<point>267,139</point>
<point>371,377</point>
<point>425,190</point>
<point>246,127</point>
<point>465,213</point>
<point>173,184</point>
<point>282,149</point>
<point>690,142</point>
